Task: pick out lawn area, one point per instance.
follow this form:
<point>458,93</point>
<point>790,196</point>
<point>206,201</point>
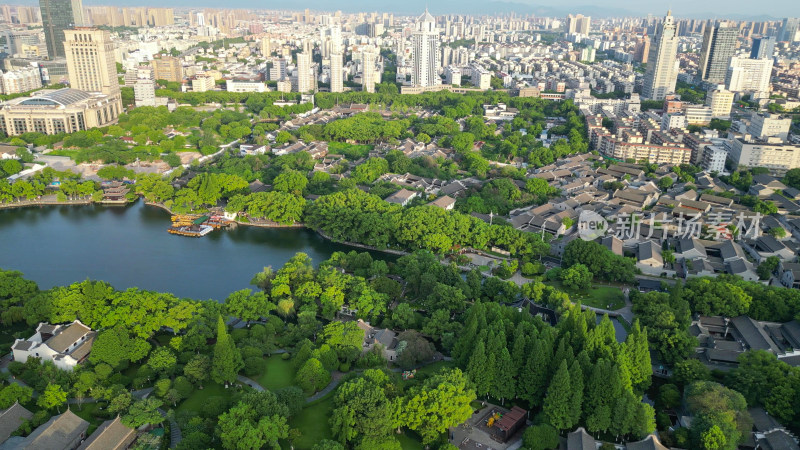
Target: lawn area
<point>425,372</point>
<point>351,151</point>
<point>313,422</point>
<point>199,397</point>
<point>68,153</point>
<point>604,297</point>
<point>409,440</point>
<point>88,412</point>
<point>279,374</point>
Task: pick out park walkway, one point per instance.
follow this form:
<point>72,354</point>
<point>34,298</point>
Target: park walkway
<point>174,429</point>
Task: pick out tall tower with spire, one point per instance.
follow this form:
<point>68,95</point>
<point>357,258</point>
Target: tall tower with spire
<point>662,64</point>
<point>426,44</point>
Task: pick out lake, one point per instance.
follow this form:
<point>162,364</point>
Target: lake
<point>129,246</point>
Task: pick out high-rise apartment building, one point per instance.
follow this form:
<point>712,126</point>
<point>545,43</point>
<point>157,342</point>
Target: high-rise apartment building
<point>763,47</point>
<point>167,68</point>
<point>368,72</point>
<point>57,16</point>
<point>662,65</point>
<point>426,43</point>
<point>642,50</point>
<point>304,81</point>
<point>719,42</point>
<point>337,82</point>
<point>749,75</point>
<point>578,24</point>
<point>266,47</point>
<point>90,61</point>
<point>789,30</point>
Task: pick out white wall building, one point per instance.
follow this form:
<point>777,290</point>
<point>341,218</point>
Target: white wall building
<point>749,75</point>
<point>144,92</point>
<point>22,80</point>
<point>426,52</point>
<point>714,157</point>
<point>765,125</point>
<point>662,64</point>
<point>64,345</point>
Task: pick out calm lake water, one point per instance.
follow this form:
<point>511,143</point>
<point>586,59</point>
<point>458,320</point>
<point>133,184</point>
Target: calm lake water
<point>129,246</point>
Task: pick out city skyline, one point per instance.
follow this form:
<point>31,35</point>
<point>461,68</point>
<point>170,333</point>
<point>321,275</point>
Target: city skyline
<point>682,8</point>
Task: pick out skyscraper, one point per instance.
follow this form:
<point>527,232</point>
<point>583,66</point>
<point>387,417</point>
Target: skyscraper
<point>719,41</point>
<point>789,29</point>
<point>368,71</point>
<point>57,16</point>
<point>662,65</point>
<point>337,84</point>
<point>579,24</point>
<point>763,47</point>
<point>426,43</point>
<point>304,72</point>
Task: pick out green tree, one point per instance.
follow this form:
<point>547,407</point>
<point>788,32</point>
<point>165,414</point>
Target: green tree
<point>197,369</point>
<point>290,181</point>
<point>557,401</point>
<point>143,412</point>
<point>442,402</point>
<point>14,393</point>
<point>227,361</point>
<point>241,428</point>
<point>312,376</point>
<point>540,437</point>
<point>576,277</point>
<point>362,408</point>
<point>52,397</point>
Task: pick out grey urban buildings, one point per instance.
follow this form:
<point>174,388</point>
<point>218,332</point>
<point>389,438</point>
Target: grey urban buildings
<point>57,16</point>
<point>719,41</point>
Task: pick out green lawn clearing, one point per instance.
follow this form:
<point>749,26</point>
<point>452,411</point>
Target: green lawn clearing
<point>409,440</point>
<point>313,422</point>
<point>351,151</point>
<point>604,297</point>
<point>279,374</point>
<point>200,397</point>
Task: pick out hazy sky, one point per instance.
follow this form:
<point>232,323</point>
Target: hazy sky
<point>680,8</point>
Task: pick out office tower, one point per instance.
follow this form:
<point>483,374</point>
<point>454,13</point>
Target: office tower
<point>749,75</point>
<point>368,72</point>
<point>337,84</point>
<point>789,29</point>
<point>57,16</point>
<point>578,24</point>
<point>425,42</point>
<point>662,65</point>
<point>763,47</point>
<point>90,60</point>
<point>719,41</point>
<point>304,81</point>
<point>167,68</point>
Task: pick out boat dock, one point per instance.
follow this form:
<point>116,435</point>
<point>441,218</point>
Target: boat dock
<point>196,226</point>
